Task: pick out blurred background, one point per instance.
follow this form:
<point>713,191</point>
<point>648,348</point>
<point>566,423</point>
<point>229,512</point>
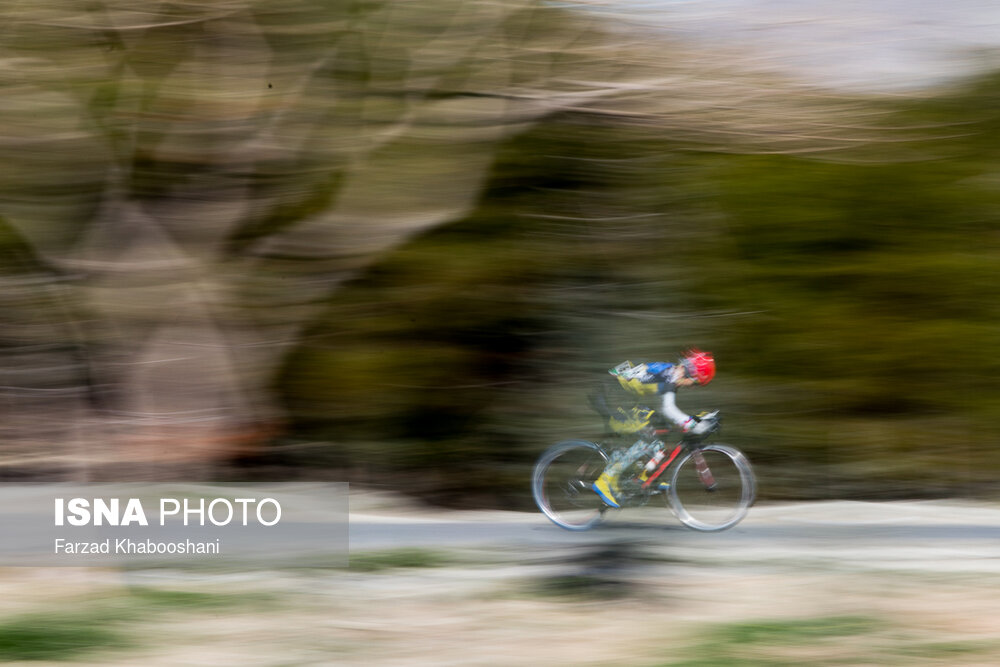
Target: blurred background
<point>398,243</point>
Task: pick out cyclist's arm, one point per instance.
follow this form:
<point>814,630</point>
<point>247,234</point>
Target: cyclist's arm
<point>670,410</point>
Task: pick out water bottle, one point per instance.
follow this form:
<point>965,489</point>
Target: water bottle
<point>655,461</point>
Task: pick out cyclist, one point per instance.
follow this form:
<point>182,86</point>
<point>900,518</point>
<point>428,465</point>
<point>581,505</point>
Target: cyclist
<point>649,379</point>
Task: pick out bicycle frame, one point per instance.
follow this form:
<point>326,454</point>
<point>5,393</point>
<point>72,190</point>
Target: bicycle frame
<point>663,466</point>
<point>691,444</point>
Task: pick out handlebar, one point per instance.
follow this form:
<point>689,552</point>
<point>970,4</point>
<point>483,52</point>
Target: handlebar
<point>713,421</point>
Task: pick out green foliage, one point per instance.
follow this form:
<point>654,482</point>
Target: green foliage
<point>55,637</point>
<point>773,633</point>
<point>393,559</point>
<point>102,625</point>
<point>148,600</point>
<point>827,640</point>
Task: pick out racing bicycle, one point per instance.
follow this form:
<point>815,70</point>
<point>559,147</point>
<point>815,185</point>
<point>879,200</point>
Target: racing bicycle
<point>709,486</point>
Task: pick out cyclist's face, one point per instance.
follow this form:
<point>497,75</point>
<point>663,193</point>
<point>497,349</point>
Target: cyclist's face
<point>683,380</point>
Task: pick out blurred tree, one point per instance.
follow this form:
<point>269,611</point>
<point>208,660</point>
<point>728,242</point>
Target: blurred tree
<point>203,175</point>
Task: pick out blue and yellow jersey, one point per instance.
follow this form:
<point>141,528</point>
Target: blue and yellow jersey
<point>621,399</point>
<point>644,379</point>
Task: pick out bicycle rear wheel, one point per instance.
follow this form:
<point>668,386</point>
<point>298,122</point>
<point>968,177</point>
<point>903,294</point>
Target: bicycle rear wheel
<point>715,492</point>
<point>562,484</point>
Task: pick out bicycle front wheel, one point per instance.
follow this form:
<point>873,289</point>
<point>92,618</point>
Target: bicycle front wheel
<point>712,487</point>
<point>562,484</point>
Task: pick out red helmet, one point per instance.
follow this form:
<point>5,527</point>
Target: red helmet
<point>699,366</point>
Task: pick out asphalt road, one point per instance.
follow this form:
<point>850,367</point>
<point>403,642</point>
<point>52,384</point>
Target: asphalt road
<point>938,536</point>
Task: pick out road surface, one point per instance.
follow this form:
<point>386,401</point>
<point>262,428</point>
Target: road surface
<point>949,536</point>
